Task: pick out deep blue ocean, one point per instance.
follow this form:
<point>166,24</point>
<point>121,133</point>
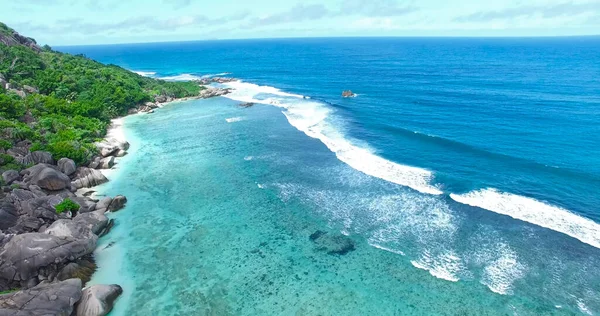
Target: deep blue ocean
<point>467,172</point>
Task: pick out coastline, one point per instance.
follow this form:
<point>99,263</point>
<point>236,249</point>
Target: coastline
<point>109,257</point>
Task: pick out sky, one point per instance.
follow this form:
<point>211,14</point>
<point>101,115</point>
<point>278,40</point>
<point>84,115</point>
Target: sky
<point>84,22</point>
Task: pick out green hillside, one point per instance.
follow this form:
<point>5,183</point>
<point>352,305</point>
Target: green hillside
<point>63,103</point>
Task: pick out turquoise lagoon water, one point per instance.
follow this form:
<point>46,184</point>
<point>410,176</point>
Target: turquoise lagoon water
<point>466,173</point>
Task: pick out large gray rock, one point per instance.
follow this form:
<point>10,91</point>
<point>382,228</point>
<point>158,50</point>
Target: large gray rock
<point>19,195</point>
<point>8,215</point>
<point>85,203</point>
<point>107,162</point>
<point>42,207</point>
<point>24,255</point>
<point>30,89</point>
<point>37,157</point>
<point>83,269</point>
<point>86,225</point>
<point>66,166</point>
<point>46,177</point>
<point>213,92</point>
<point>46,299</point>
<point>107,151</point>
<point>104,203</point>
<point>10,176</point>
<point>117,203</point>
<point>110,147</point>
<point>87,178</point>
<point>26,224</point>
<point>98,300</point>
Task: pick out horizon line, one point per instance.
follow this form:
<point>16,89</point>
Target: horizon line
<point>345,37</point>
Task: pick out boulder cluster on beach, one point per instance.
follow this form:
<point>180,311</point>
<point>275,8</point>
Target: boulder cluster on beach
<point>46,254</point>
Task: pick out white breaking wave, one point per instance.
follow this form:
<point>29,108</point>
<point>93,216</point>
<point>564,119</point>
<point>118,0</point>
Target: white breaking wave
<point>217,75</point>
<point>447,266</point>
<point>250,90</point>
<point>398,252</point>
<point>500,274</point>
<point>145,73</point>
<point>313,118</point>
<point>534,212</point>
<point>182,77</point>
<point>234,119</point>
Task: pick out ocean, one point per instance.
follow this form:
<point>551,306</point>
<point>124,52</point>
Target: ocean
<point>465,173</point>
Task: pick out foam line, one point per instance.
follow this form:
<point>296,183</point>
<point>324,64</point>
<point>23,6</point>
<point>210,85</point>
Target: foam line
<point>181,77</point>
<point>314,119</point>
<point>534,212</point>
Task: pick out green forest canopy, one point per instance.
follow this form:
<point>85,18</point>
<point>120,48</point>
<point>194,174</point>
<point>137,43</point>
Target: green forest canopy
<point>76,98</point>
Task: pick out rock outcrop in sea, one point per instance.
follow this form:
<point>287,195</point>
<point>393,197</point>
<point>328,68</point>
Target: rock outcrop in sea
<point>348,94</point>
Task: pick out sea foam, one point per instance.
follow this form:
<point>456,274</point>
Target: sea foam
<point>534,212</point>
<point>314,119</point>
<point>234,119</point>
<point>145,73</point>
<point>181,77</point>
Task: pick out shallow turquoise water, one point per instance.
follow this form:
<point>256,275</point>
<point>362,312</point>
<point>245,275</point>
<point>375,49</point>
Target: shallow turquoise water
<point>222,201</point>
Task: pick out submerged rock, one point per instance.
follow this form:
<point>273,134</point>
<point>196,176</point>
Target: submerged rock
<point>44,299</point>
<point>98,300</point>
<point>247,104</point>
<point>332,244</point>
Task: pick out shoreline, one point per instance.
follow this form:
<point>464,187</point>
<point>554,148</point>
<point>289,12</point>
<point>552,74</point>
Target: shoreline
<point>109,257</point>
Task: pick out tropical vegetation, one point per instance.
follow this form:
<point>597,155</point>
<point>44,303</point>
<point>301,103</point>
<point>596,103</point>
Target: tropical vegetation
<point>63,103</point>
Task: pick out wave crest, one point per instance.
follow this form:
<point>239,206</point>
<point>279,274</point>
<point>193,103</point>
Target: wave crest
<point>315,120</point>
<point>534,212</point>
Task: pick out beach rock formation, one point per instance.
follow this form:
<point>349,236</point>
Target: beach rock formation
<point>87,178</point>
<point>160,99</point>
<point>46,177</point>
<point>117,203</point>
<point>38,255</point>
<point>83,226</point>
<point>337,244</point>
<point>44,299</point>
<point>8,215</point>
<point>348,94</point>
<point>103,204</point>
<point>214,92</point>
<point>98,300</point>
<point>207,81</point>
<point>82,269</point>
<point>10,176</point>
<point>66,166</point>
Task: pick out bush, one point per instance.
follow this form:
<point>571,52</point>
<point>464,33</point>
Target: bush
<point>67,206</point>
<point>4,144</point>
